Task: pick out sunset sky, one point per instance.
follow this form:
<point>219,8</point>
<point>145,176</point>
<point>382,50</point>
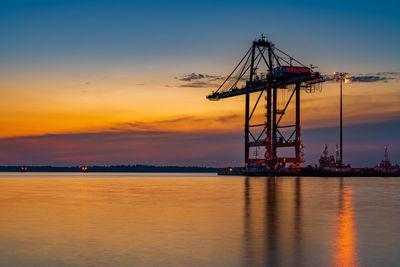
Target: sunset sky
<point>125,82</point>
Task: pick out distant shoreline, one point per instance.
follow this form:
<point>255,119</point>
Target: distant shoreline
<point>113,168</point>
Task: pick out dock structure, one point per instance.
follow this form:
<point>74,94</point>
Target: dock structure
<point>267,71</point>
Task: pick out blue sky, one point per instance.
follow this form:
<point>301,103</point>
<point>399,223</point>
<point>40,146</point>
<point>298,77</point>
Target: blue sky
<point>329,34</point>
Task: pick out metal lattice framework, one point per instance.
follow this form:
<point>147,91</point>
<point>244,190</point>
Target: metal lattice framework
<point>269,61</point>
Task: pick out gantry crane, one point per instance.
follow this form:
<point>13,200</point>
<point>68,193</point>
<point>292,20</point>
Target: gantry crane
<point>281,71</point>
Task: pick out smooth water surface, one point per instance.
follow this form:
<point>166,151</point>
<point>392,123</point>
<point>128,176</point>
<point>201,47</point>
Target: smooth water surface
<point>103,219</point>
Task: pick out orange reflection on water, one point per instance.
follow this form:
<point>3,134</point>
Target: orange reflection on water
<point>345,243</point>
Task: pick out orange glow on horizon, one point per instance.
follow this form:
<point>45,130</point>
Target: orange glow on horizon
<point>44,104</point>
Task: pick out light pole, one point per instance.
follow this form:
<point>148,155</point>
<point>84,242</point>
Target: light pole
<point>341,76</point>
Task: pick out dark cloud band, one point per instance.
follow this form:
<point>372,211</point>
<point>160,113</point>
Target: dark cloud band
<point>370,77</point>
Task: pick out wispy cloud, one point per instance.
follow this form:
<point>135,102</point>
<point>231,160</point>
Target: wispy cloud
<point>199,76</point>
<point>370,77</point>
<point>183,124</point>
<point>199,80</point>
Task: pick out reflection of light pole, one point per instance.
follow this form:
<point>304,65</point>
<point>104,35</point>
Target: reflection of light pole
<point>341,76</point>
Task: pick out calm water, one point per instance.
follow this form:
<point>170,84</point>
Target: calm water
<point>197,220</point>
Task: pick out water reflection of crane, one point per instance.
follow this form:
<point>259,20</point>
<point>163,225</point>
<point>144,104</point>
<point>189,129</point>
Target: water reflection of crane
<point>270,232</point>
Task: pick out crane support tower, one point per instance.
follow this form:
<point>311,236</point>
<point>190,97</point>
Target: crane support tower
<point>266,70</point>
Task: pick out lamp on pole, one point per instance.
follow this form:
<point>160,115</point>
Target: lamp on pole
<point>341,76</point>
